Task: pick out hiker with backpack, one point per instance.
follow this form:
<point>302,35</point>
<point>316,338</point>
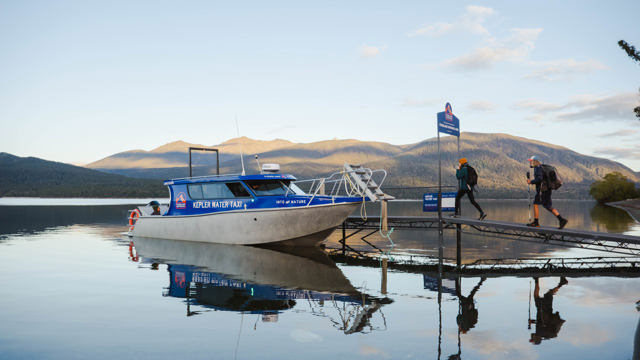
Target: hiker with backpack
<point>545,182</point>
<point>467,180</point>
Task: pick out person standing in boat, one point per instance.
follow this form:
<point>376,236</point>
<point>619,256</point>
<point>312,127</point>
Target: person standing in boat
<point>462,174</point>
<point>156,207</point>
<point>543,194</point>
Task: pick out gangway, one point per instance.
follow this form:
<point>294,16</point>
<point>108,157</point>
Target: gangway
<point>363,177</point>
<point>609,242</point>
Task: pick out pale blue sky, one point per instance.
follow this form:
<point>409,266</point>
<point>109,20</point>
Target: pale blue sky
<point>82,80</point>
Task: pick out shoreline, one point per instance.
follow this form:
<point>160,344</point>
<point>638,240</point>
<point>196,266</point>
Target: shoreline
<point>631,206</point>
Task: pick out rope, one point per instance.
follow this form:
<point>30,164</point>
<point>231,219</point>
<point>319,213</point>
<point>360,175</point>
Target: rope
<point>352,186</point>
<point>363,214</point>
<point>388,237</point>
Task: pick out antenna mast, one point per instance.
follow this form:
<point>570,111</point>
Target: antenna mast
<point>240,142</point>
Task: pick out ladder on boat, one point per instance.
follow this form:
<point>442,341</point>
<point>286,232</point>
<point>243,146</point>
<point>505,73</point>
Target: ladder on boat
<point>363,178</point>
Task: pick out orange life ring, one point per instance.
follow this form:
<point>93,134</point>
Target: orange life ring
<point>133,218</point>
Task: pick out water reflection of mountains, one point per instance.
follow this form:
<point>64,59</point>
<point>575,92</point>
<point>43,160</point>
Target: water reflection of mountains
<point>251,279</point>
<point>583,215</point>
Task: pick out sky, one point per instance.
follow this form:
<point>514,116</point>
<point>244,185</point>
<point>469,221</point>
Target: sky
<point>83,80</point>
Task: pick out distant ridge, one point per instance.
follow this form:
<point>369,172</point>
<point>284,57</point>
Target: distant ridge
<point>499,158</point>
<point>33,177</point>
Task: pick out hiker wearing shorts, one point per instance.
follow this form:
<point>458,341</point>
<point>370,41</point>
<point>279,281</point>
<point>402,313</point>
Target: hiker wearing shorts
<point>543,194</point>
<point>462,174</point>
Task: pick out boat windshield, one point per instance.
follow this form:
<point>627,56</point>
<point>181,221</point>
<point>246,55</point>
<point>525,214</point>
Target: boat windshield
<point>274,187</point>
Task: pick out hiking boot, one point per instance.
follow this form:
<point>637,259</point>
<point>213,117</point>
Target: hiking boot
<point>563,281</point>
<point>454,215</point>
<point>482,216</point>
<point>563,222</point>
<point>534,223</point>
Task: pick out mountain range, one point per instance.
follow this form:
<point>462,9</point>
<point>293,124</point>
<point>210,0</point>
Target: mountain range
<point>500,159</point>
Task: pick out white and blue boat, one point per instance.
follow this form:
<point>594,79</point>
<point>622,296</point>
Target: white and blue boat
<point>265,208</point>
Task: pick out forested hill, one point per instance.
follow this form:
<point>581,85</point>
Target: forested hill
<point>33,177</point>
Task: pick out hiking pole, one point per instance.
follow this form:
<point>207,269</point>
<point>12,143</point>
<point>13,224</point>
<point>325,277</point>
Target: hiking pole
<point>529,319</point>
<point>529,192</point>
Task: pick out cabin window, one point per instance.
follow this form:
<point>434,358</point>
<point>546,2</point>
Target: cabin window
<point>195,192</point>
<point>238,190</point>
<point>217,190</point>
<point>269,187</point>
<point>296,190</point>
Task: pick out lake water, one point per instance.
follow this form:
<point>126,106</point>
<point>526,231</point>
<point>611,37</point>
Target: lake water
<point>73,287</point>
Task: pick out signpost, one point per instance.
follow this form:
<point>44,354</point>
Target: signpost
<point>430,201</point>
<point>448,124</point>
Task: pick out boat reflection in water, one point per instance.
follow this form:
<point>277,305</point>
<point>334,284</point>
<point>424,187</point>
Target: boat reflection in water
<point>256,280</point>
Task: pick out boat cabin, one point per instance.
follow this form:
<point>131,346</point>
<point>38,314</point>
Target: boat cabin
<point>191,196</point>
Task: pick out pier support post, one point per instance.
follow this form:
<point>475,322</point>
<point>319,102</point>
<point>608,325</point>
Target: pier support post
<point>344,237</point>
<point>383,286</point>
<point>459,246</point>
<point>384,224</point>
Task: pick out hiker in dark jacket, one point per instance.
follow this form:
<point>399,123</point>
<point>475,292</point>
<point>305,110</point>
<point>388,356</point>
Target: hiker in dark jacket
<point>462,174</point>
<point>543,194</point>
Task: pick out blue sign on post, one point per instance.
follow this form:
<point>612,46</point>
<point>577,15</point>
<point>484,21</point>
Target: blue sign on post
<point>447,122</point>
<point>430,202</point>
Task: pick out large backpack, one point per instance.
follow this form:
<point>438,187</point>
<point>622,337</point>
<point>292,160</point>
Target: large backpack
<point>551,176</point>
<point>472,176</point>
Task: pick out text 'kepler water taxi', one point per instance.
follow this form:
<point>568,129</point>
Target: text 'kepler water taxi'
<point>256,209</point>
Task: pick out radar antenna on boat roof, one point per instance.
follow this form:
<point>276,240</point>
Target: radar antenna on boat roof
<point>270,168</point>
<point>258,161</point>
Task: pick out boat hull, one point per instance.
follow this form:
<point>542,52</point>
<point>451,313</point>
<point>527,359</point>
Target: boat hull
<point>300,226</point>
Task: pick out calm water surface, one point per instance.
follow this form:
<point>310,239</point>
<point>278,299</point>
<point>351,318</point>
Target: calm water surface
<point>74,288</point>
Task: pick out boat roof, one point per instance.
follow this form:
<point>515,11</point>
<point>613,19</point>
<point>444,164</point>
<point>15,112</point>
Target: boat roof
<point>217,178</point>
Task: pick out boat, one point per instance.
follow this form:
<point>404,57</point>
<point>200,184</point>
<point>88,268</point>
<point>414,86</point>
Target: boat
<point>255,209</point>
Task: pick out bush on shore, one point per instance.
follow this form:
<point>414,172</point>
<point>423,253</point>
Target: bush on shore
<point>614,187</point>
